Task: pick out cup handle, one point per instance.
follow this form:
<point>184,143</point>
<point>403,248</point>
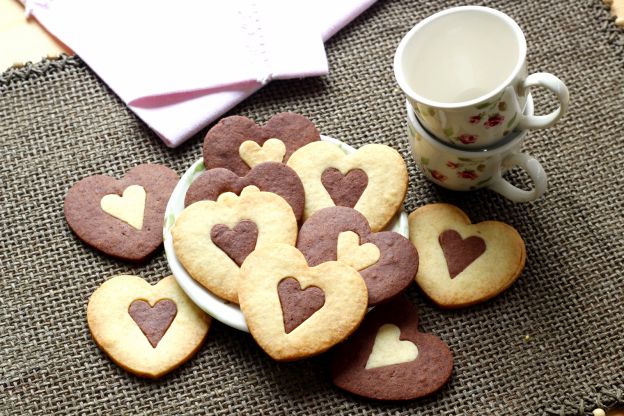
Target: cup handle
<point>532,168</point>
<point>554,84</point>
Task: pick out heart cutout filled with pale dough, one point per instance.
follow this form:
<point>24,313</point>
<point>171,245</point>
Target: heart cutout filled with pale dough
<point>343,307</point>
<point>462,264</point>
<point>273,150</point>
<point>206,260</point>
<point>350,252</point>
<point>330,178</point>
<point>129,208</point>
<point>147,330</point>
<point>388,349</point>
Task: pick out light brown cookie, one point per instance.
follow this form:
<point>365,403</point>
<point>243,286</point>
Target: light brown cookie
<point>294,311</point>
<point>147,330</point>
<point>373,180</point>
<point>212,238</point>
<point>462,264</point>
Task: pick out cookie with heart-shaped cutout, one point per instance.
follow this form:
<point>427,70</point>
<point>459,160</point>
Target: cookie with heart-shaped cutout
<point>294,311</point>
<point>386,260</point>
<point>147,330</point>
<point>212,238</point>
<point>237,143</point>
<point>461,263</point>
<point>122,218</point>
<point>387,358</point>
<point>372,180</point>
<point>268,177</point>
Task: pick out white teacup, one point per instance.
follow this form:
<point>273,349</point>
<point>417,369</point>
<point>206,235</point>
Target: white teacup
<point>464,72</point>
<point>466,170</point>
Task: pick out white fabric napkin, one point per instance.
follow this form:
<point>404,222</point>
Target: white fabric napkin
<point>180,65</point>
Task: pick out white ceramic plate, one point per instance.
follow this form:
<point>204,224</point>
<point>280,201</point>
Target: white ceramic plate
<point>226,312</point>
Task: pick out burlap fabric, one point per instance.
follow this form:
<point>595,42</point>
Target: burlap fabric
<point>552,344</point>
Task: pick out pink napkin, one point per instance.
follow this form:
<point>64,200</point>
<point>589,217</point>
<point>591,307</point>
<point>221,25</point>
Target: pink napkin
<point>180,65</point>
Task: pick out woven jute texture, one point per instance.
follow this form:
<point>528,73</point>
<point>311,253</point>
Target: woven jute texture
<point>552,344</point>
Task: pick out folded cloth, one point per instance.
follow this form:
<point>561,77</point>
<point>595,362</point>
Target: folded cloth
<point>180,65</point>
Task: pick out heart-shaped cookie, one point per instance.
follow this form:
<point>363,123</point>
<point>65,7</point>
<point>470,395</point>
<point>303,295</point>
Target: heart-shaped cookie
<point>147,330</point>
<point>215,264</point>
<point>318,322</point>
<point>373,180</point>
<point>222,144</point>
<point>122,218</point>
<point>462,263</point>
<point>388,359</point>
<point>392,272</point>
<point>268,177</point>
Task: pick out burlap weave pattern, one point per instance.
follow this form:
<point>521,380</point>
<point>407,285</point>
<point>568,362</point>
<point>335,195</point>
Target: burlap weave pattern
<point>59,123</point>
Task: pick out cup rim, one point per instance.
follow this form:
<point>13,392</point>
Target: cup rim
<point>469,153</point>
<point>399,75</point>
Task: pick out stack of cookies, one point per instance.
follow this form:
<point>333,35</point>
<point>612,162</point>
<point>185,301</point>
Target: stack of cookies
<point>291,228</point>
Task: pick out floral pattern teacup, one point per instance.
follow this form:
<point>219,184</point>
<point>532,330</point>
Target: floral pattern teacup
<point>464,72</point>
<point>466,170</point>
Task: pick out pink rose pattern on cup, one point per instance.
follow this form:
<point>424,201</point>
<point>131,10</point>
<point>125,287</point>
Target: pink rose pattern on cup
<point>463,168</point>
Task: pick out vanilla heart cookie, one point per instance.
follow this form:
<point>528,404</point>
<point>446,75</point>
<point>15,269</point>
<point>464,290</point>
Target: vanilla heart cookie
<point>237,143</point>
<point>388,359</point>
<point>268,177</point>
<point>462,264</point>
<point>122,218</point>
<point>386,260</point>
<point>373,180</point>
<point>147,330</point>
<point>212,238</point>
<point>295,311</point>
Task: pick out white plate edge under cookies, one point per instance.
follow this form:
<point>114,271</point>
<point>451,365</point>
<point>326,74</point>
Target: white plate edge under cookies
<point>222,310</point>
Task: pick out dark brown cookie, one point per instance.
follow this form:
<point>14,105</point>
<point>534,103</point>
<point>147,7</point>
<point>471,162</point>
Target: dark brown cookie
<point>389,276</point>
<point>388,359</point>
<point>222,142</point>
<point>110,234</point>
<point>268,177</point>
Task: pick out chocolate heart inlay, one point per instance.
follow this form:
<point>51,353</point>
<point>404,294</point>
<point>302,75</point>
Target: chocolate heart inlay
<point>238,242</point>
<point>153,321</point>
<point>344,190</point>
<point>458,252</point>
<point>297,304</point>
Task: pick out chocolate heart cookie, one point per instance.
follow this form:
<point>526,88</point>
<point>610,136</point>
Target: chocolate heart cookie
<point>268,177</point>
<point>122,218</point>
<point>462,263</point>
<point>237,143</point>
<point>325,237</point>
<point>388,359</point>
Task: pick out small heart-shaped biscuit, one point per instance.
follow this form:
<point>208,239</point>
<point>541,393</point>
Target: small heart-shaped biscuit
<point>273,150</point>
<point>350,252</point>
<point>390,274</point>
<point>268,177</point>
<point>343,307</point>
<point>388,359</point>
<point>147,330</point>
<point>373,180</point>
<point>222,143</point>
<point>128,227</point>
<point>215,264</point>
<point>462,263</point>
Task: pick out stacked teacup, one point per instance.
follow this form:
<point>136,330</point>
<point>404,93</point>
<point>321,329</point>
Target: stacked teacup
<point>469,107</point>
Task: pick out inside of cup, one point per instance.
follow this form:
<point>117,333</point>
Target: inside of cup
<point>462,55</point>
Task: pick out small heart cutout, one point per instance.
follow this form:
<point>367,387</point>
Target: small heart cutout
<point>344,190</point>
<point>154,321</point>
<point>350,252</point>
<point>388,348</point>
<point>238,242</point>
<point>458,252</point>
<point>129,208</point>
<point>298,304</point>
<point>273,150</point>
